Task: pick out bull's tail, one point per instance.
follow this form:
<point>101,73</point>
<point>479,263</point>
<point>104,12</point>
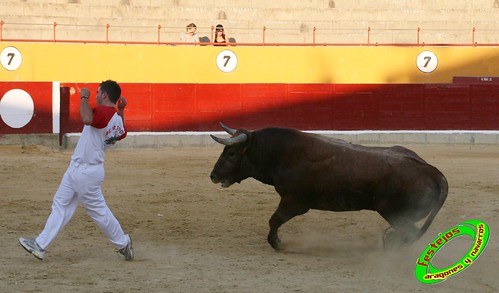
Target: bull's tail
<point>444,189</point>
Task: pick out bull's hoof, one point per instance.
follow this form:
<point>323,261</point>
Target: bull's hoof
<point>275,243</point>
<point>393,239</point>
<point>278,248</point>
<point>390,240</point>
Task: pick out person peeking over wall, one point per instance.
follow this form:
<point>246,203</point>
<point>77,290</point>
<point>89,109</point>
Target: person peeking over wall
<point>220,38</point>
<point>190,35</point>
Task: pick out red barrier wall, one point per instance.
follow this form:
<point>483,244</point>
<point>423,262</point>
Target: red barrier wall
<point>199,107</point>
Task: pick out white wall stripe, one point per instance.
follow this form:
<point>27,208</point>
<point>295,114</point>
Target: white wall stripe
<point>56,107</point>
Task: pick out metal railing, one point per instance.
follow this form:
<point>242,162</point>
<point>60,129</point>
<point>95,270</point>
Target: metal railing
<point>369,34</point>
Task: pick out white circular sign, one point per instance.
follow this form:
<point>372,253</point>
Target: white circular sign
<point>16,108</point>
<point>427,61</point>
<point>11,58</point>
<point>226,61</point>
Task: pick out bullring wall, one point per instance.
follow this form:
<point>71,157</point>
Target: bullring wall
<point>309,88</point>
<point>381,86</point>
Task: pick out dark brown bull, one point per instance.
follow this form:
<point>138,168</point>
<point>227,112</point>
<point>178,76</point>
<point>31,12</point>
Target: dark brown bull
<point>310,171</point>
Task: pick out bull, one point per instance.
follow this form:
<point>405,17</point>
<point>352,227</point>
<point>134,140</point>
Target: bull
<point>311,171</point>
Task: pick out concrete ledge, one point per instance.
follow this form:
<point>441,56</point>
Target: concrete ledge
<point>50,140</point>
<point>179,139</point>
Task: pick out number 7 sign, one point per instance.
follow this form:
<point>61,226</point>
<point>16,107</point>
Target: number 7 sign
<point>427,61</point>
<point>226,61</point>
<point>11,58</point>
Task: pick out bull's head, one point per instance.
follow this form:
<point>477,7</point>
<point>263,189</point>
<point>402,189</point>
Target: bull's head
<point>230,165</point>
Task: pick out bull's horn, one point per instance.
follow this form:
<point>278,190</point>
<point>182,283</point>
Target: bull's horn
<point>242,137</point>
<point>227,129</point>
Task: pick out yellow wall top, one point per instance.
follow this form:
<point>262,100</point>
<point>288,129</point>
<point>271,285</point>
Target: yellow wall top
<point>242,64</point>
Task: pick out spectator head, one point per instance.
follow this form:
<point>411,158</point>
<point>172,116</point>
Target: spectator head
<point>191,27</point>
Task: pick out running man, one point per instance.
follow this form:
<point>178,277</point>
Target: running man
<point>104,125</point>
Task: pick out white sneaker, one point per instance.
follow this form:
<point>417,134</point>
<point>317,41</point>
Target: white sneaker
<point>127,251</point>
<point>32,247</point>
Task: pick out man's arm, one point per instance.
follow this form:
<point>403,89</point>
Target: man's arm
<point>86,113</point>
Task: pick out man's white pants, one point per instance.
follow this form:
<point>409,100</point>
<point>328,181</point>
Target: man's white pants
<point>82,184</point>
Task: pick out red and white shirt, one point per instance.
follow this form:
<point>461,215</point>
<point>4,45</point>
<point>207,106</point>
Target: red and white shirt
<point>106,128</point>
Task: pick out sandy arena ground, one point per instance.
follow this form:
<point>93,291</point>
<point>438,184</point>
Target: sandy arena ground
<point>191,235</point>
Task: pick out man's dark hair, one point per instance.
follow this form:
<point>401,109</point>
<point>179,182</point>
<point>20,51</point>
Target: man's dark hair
<point>112,88</point>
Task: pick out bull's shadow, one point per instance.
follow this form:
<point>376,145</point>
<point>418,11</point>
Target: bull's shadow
<point>325,234</point>
<point>329,246</point>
